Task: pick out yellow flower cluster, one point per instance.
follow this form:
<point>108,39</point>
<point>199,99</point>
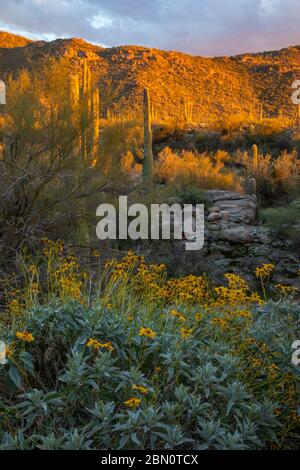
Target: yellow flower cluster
<point>95,344</point>
<point>236,293</point>
<point>15,307</point>
<point>264,271</point>
<point>220,323</point>
<point>188,289</point>
<point>25,336</point>
<point>286,290</point>
<point>69,278</point>
<point>140,388</point>
<point>150,283</point>
<point>133,402</point>
<point>51,247</point>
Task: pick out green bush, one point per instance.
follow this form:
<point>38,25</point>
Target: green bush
<point>191,196</point>
<point>209,389</point>
<point>285,221</point>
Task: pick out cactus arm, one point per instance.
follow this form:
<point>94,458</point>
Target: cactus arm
<point>137,153</point>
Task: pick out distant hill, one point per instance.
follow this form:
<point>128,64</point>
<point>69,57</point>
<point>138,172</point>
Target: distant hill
<point>10,41</point>
<point>213,86</point>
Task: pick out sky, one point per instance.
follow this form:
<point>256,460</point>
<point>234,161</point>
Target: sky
<point>200,27</point>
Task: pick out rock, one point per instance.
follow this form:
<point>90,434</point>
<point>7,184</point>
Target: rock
<point>261,251</point>
<point>262,237</point>
<point>225,215</point>
<point>238,234</point>
<point>213,209</point>
<point>240,208</point>
<point>214,216</point>
<point>223,262</point>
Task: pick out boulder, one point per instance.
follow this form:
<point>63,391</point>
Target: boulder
<point>213,209</point>
<point>213,216</point>
<point>240,208</point>
<point>238,234</point>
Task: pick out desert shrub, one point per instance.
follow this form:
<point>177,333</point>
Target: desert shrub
<point>51,173</point>
<point>191,196</point>
<point>142,361</point>
<point>229,124</point>
<point>285,221</point>
<point>164,132</point>
<point>240,122</point>
<point>278,179</point>
<point>42,169</point>
<point>93,378</point>
<point>270,127</point>
<point>200,170</point>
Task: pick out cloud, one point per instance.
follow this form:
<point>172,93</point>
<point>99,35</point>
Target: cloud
<point>204,27</point>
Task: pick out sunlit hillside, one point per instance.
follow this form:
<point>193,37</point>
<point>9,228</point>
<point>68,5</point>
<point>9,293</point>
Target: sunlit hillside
<point>210,86</point>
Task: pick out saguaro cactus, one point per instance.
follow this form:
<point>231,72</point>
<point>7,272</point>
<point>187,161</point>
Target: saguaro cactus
<point>86,95</point>
<point>74,91</point>
<point>188,110</point>
<point>86,78</point>
<point>255,156</point>
<point>261,113</point>
<point>95,120</point>
<point>251,186</point>
<point>74,104</point>
<point>145,157</point>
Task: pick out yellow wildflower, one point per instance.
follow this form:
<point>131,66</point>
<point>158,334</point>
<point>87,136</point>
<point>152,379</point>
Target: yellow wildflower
<point>32,269</point>
<point>220,322</point>
<point>273,374</point>
<point>285,290</point>
<point>35,288</point>
<point>8,350</point>
<point>140,388</point>
<point>264,271</point>
<point>199,316</point>
<point>25,336</point>
<point>133,402</point>
<point>95,344</point>
<point>147,332</point>
<point>178,315</point>
<point>185,332</point>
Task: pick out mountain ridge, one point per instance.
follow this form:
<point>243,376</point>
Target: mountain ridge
<point>213,86</point>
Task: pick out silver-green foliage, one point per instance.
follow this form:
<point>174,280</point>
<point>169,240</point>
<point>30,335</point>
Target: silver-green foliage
<point>203,397</point>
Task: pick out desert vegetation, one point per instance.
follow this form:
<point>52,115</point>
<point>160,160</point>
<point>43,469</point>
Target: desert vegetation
<point>144,361</point>
<point>121,344</point>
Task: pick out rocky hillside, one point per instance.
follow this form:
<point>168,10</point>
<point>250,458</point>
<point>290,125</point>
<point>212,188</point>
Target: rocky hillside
<point>11,41</point>
<point>211,86</point>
